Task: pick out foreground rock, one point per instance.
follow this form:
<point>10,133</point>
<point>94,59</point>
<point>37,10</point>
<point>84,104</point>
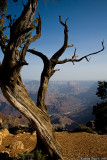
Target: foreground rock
<point>14,144</point>
<point>17,145</point>
<point>3,133</point>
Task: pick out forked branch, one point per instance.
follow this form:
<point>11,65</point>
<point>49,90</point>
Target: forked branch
<point>73,59</point>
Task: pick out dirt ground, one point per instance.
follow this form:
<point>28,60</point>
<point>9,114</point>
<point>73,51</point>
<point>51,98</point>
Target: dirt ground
<point>74,145</point>
<point>82,145</point>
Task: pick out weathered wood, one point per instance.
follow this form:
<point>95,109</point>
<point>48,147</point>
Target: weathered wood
<point>11,83</point>
<point>40,119</point>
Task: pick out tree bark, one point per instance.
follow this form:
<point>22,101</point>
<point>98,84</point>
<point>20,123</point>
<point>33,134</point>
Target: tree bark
<point>11,83</point>
<point>42,93</point>
<point>45,77</point>
<point>40,119</point>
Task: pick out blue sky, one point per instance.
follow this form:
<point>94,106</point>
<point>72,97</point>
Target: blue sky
<point>87,28</point>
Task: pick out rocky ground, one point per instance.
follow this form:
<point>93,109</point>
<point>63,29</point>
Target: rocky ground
<point>74,145</point>
<point>14,144</point>
<point>82,145</point>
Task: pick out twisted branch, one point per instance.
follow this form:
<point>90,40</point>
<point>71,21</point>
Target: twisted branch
<point>73,59</point>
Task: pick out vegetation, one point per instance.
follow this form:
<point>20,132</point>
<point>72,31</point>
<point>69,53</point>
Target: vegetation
<point>21,129</point>
<point>84,128</point>
<point>102,90</point>
<point>100,110</point>
<point>36,155</point>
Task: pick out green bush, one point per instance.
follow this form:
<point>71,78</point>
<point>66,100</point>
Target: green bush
<point>36,155</point>
<point>39,156</point>
<point>83,128</point>
<point>25,156</point>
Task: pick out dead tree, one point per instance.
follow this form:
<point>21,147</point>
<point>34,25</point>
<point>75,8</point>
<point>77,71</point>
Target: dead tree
<point>49,65</point>
<point>14,50</point>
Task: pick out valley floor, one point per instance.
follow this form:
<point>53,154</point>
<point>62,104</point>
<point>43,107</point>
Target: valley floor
<point>74,145</point>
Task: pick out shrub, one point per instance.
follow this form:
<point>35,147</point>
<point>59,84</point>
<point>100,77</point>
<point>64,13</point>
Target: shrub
<point>36,155</point>
<point>83,128</point>
<point>39,155</point>
<point>25,156</point>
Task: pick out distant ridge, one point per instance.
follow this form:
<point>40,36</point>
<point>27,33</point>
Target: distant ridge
<point>70,100</point>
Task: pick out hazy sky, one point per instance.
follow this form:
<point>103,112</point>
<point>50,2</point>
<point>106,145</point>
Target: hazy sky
<point>87,28</point>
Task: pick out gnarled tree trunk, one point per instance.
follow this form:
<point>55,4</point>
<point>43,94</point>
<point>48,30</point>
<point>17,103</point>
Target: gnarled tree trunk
<point>11,83</point>
<point>40,119</point>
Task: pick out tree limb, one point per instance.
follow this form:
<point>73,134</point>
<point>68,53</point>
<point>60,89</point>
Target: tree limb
<point>73,59</point>
<point>65,45</point>
<point>55,70</point>
<point>23,24</point>
<point>39,54</point>
<point>32,39</point>
<point>38,29</point>
<point>27,16</point>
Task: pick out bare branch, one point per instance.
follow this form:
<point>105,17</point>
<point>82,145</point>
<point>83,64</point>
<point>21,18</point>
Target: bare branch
<point>65,45</point>
<point>39,54</point>
<point>64,24</point>
<point>73,59</point>
<point>74,56</point>
<point>55,70</point>
<point>78,60</point>
<point>20,64</point>
<point>61,21</point>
